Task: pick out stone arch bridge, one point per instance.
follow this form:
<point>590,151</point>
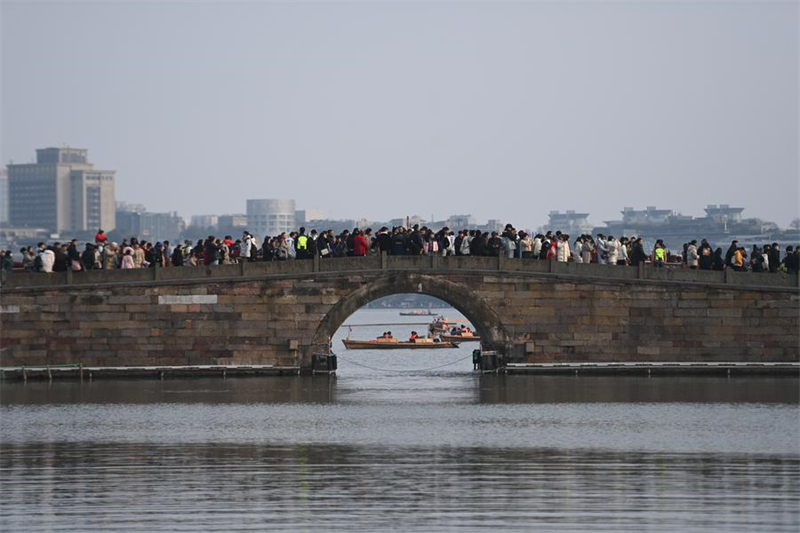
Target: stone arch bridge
<point>282,312</point>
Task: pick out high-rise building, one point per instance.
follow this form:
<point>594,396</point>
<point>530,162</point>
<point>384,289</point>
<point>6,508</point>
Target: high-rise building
<point>270,217</point>
<point>62,191</point>
<point>3,197</point>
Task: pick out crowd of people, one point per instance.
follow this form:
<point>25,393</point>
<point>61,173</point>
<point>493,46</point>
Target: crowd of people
<point>299,245</point>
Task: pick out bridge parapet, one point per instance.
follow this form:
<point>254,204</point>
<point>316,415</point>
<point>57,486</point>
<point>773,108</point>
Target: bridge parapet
<point>298,268</point>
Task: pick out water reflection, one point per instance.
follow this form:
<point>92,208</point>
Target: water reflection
<point>343,488</point>
<point>662,389</point>
<point>240,390</point>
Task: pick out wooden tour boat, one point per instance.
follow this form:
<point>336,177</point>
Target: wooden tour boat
<point>419,312</point>
<point>394,344</point>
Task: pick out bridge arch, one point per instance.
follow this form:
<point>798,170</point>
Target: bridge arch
<point>463,298</point>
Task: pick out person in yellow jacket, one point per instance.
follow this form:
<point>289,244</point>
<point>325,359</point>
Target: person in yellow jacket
<point>738,259</point>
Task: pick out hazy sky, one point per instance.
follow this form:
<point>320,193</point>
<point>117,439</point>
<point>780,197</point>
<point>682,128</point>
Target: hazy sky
<point>385,109</point>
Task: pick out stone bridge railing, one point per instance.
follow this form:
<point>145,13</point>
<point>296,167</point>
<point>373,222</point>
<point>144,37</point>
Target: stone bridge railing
<point>302,268</point>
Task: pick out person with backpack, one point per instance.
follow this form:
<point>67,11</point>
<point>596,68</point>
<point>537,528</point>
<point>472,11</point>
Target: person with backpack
<point>301,245</point>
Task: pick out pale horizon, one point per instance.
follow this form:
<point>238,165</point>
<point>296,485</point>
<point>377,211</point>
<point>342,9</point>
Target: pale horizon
<point>382,110</point>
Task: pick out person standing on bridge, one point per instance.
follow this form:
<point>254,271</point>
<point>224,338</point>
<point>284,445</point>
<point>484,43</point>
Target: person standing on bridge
<point>774,258</point>
<point>602,249</point>
<point>360,244</point>
<point>301,245</point>
<point>525,245</point>
<point>638,255</point>
<point>730,253</point>
<point>691,255</point>
<point>587,248</point>
<point>612,251</point>
<point>562,252</point>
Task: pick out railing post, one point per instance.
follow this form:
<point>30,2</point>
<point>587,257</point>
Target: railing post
<point>797,277</point>
<point>69,275</point>
<point>551,266</point>
<point>155,272</point>
<point>500,262</point>
<point>641,270</point>
<point>727,275</point>
<point>434,262</point>
<point>242,267</point>
<point>315,258</point>
<point>384,261</point>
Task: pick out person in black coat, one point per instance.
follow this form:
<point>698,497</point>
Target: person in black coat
<point>383,241</point>
<point>177,256</point>
<point>638,255</point>
<point>87,257</point>
<point>774,257</point>
<point>705,256</point>
<point>399,243</point>
<point>729,254</point>
<point>718,263</point>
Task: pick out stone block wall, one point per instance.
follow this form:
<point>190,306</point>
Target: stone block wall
<point>264,317</point>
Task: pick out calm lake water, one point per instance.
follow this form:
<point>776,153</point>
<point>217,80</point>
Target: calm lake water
<point>379,448</point>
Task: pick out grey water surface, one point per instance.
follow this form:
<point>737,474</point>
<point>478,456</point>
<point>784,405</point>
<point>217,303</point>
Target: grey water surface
<point>379,448</point>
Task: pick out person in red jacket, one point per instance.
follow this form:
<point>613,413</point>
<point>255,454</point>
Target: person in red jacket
<point>360,244</point>
<point>100,237</point>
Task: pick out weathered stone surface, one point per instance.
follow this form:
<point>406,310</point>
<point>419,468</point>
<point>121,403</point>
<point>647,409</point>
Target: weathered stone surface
<point>533,314</point>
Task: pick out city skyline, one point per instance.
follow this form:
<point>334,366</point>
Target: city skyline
<point>368,108</point>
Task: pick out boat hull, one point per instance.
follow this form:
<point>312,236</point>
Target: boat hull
<point>369,345</point>
<point>459,338</point>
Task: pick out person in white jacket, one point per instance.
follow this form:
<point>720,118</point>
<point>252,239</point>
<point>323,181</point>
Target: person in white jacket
<point>537,246</point>
<point>578,250</point>
<point>692,256</point>
<point>562,250</point>
<point>465,242</point>
<point>48,260</point>
<point>623,252</point>
<point>612,245</point>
